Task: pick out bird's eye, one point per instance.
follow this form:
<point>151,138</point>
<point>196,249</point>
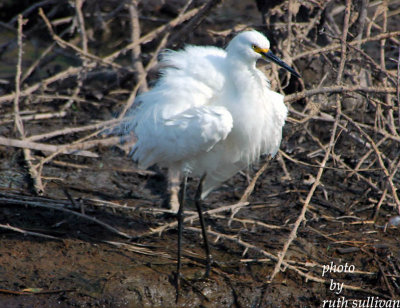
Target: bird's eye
<point>254,46</point>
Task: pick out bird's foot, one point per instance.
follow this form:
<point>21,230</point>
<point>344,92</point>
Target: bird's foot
<point>178,278</point>
<point>209,262</point>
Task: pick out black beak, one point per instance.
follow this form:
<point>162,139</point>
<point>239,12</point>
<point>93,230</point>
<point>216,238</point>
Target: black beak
<point>270,56</point>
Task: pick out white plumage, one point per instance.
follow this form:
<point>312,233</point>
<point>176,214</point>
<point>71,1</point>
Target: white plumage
<point>211,112</point>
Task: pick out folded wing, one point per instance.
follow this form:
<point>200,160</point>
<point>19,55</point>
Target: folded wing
<point>182,137</point>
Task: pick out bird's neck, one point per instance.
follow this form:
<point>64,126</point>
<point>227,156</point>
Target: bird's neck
<point>238,62</point>
<point>241,73</point>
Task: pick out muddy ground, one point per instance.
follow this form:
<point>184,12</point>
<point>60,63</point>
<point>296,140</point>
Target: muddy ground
<point>99,236</point>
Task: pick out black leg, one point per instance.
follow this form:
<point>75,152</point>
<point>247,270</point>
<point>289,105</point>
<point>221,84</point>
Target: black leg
<point>180,229</point>
<point>203,225</point>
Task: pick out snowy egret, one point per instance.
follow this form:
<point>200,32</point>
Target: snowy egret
<point>211,114</point>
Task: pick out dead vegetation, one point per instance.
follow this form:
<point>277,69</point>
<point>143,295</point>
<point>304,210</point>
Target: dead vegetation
<point>71,66</point>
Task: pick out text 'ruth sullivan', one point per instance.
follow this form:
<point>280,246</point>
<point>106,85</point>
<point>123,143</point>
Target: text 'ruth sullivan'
<point>369,302</point>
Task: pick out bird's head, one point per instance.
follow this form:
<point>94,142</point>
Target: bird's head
<point>249,46</point>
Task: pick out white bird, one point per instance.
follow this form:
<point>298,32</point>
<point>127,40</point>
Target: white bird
<point>211,114</point>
